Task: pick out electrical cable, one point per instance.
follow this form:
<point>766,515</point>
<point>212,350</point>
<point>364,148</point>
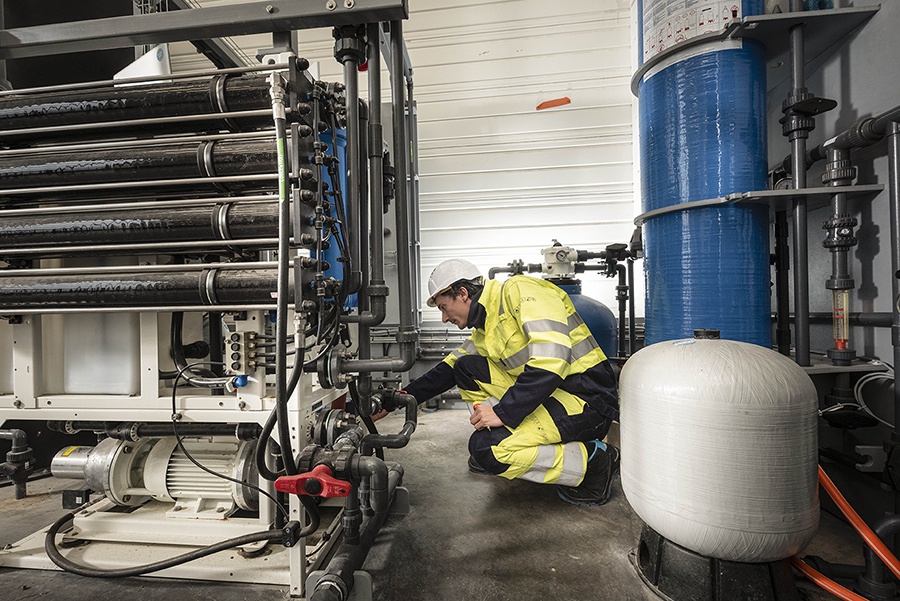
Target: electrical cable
<point>69,566</point>
<point>857,392</point>
<point>177,352</point>
<point>178,440</point>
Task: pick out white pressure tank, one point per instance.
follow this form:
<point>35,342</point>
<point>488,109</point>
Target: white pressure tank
<point>719,448</point>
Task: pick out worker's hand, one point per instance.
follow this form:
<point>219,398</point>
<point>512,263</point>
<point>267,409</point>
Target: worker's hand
<point>483,416</point>
<point>377,416</point>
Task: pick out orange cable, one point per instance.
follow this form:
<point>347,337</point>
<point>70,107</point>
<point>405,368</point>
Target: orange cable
<point>858,524</point>
<point>824,582</point>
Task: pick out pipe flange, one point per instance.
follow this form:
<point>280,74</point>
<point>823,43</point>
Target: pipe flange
<point>794,97</point>
<point>20,457</point>
<point>838,174</point>
<point>841,356</point>
<point>838,283</point>
<point>350,43</point>
<point>378,290</point>
<point>407,336</point>
<point>797,125</point>
<point>332,581</point>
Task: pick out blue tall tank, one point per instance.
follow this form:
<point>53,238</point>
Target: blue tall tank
<point>333,252</point>
<point>703,136</point>
<point>599,319</point>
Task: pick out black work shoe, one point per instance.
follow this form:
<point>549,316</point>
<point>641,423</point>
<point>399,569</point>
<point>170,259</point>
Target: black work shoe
<point>596,487</point>
<point>477,469</point>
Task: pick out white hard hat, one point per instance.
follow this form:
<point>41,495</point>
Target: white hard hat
<point>448,273</point>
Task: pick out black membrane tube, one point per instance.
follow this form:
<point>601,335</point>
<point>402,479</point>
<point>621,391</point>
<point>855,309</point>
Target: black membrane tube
<point>228,220</point>
<point>228,286</point>
<point>151,162</point>
<point>220,94</point>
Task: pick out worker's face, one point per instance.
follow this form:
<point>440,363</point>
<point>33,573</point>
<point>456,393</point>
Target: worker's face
<point>455,310</point>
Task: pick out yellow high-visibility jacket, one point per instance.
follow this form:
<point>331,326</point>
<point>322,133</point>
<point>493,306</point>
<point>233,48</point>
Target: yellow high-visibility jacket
<point>529,327</point>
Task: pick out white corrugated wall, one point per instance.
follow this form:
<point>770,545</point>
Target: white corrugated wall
<point>499,180</point>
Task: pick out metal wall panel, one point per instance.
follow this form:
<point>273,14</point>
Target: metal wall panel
<point>499,180</point>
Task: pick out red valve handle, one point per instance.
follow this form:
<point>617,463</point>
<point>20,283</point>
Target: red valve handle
<point>317,483</point>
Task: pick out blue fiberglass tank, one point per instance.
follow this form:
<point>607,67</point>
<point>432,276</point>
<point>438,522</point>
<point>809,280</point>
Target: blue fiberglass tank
<point>703,136</point>
<point>333,252</point>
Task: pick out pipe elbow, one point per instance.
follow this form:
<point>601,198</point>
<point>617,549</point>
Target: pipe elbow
<point>377,472</point>
<point>18,437</point>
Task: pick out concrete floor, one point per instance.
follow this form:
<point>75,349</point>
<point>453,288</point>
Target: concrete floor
<point>466,538</point>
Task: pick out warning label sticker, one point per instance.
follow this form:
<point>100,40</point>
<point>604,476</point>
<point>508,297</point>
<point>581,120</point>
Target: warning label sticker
<point>668,22</point>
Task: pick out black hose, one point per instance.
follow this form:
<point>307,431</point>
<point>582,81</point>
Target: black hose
<point>69,566</point>
<point>188,374</point>
<point>366,419</point>
<point>283,289</point>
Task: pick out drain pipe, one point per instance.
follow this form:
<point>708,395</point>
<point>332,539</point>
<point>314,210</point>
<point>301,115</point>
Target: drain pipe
<point>873,584</point>
<point>337,583</point>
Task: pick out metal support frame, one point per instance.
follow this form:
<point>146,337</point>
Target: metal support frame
<point>199,23</point>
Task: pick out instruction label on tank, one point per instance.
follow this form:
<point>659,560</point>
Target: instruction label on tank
<point>668,22</point>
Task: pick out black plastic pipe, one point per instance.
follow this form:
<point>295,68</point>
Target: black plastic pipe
<point>337,582</point>
<point>874,583</point>
<point>622,297</point>
<point>170,289</point>
<point>782,283</point>
<point>17,459</point>
<point>401,439</point>
<point>135,430</point>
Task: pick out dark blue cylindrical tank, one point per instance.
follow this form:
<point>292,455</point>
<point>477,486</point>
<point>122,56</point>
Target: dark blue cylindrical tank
<point>333,252</point>
<point>703,136</point>
<point>599,319</point>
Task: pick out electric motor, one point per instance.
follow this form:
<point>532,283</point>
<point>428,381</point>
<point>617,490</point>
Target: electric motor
<point>132,473</point>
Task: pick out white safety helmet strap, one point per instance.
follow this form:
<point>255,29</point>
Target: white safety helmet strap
<point>448,273</point>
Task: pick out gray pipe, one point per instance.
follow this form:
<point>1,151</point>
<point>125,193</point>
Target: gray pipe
<point>337,582</point>
<point>894,198</point>
<point>401,158</point>
<point>798,168</point>
<point>407,335</point>
<point>17,460</point>
<point>376,291</point>
<point>413,135</point>
<point>354,204</point>
<point>884,527</point>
